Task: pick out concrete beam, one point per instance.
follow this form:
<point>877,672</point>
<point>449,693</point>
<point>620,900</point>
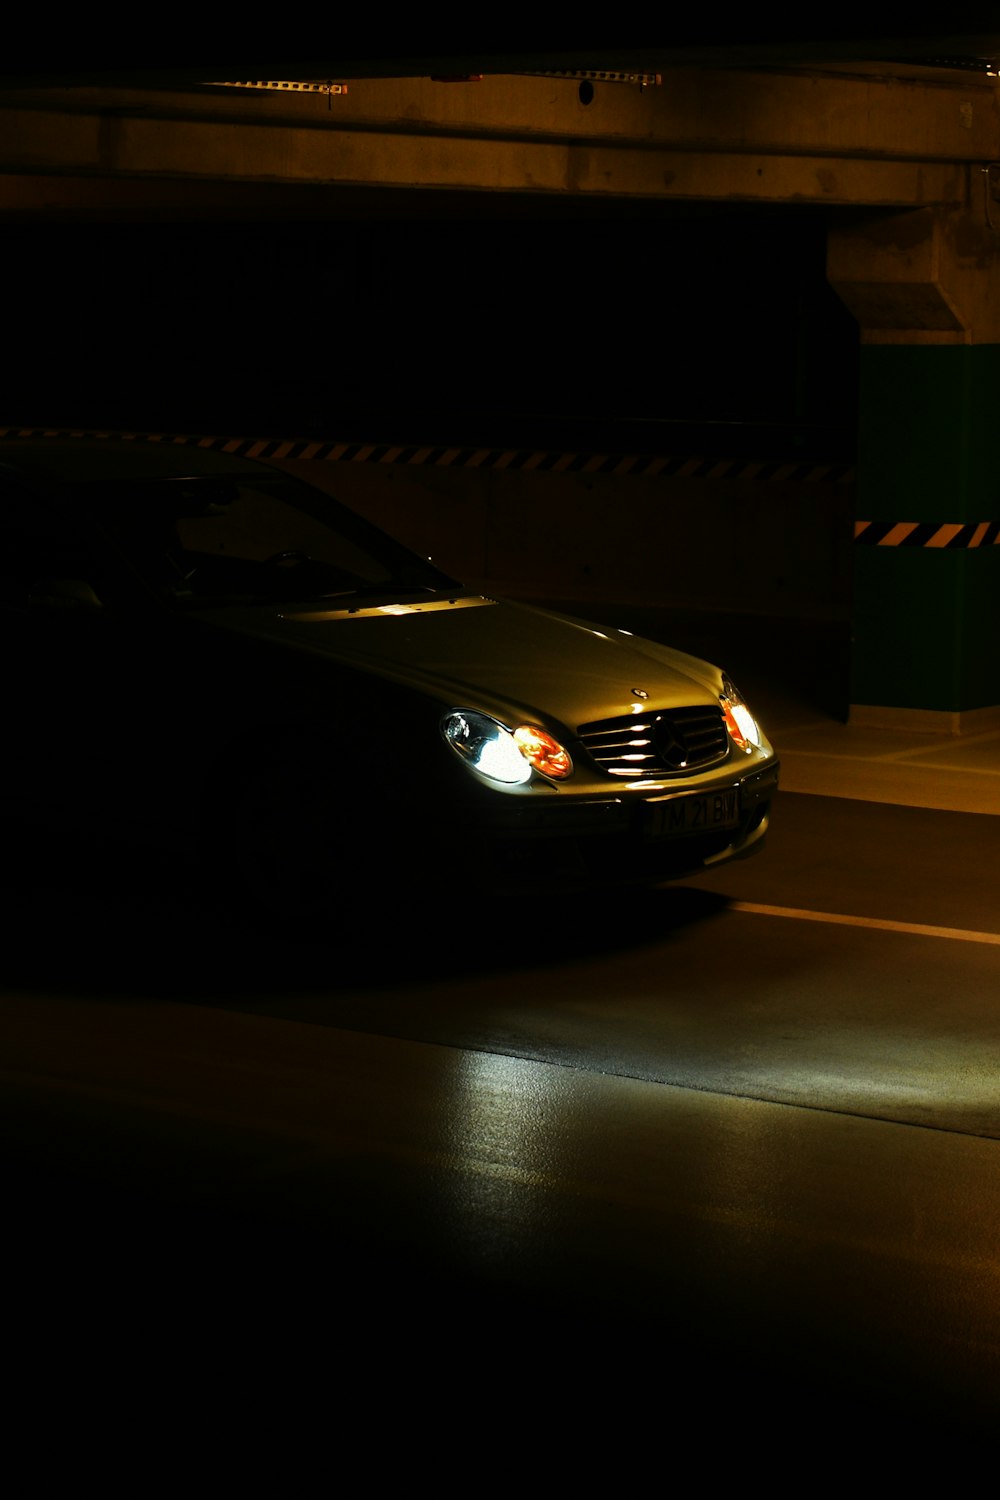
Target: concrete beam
<point>924,277</point>
<point>781,137</point>
<point>93,147</point>
<point>949,117</point>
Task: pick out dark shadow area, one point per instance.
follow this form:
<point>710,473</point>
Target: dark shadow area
<point>126,922</point>
<point>369,329</point>
<point>360,1299</point>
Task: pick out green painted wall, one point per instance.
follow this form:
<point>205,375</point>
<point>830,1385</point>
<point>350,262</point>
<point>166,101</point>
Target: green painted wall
<point>927,619</point>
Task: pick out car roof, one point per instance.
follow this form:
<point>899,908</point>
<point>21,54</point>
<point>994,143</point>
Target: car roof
<point>85,460</point>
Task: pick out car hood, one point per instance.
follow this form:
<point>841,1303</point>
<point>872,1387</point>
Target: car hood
<point>477,652</point>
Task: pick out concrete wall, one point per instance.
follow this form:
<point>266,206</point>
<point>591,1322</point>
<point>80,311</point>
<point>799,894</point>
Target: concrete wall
<point>767,547</point>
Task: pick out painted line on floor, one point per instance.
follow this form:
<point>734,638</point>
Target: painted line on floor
<point>918,929</point>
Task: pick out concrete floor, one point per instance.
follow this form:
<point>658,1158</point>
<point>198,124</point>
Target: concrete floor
<point>613,1253</point>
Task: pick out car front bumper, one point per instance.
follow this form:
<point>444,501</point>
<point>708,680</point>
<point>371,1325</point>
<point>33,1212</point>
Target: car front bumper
<point>625,838</point>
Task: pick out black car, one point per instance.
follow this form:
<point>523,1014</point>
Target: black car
<point>206,654</point>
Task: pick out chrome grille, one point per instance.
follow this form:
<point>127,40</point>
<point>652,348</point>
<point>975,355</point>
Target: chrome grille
<point>652,743</point>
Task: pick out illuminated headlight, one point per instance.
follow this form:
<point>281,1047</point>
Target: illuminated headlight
<point>502,754</point>
<point>744,730</point>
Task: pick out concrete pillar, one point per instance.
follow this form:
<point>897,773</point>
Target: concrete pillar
<point>925,289</point>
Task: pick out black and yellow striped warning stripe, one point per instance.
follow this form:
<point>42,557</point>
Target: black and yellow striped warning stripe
<point>523,459</point>
<point>942,534</point>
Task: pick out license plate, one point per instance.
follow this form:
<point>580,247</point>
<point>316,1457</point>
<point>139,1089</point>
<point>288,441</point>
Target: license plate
<point>705,813</point>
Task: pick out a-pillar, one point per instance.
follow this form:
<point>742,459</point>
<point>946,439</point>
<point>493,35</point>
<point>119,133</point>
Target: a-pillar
<point>925,289</point>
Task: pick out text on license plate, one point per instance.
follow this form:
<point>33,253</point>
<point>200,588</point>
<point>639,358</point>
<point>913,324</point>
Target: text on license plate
<point>695,814</point>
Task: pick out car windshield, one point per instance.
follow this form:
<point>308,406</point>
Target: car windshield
<point>210,541</point>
